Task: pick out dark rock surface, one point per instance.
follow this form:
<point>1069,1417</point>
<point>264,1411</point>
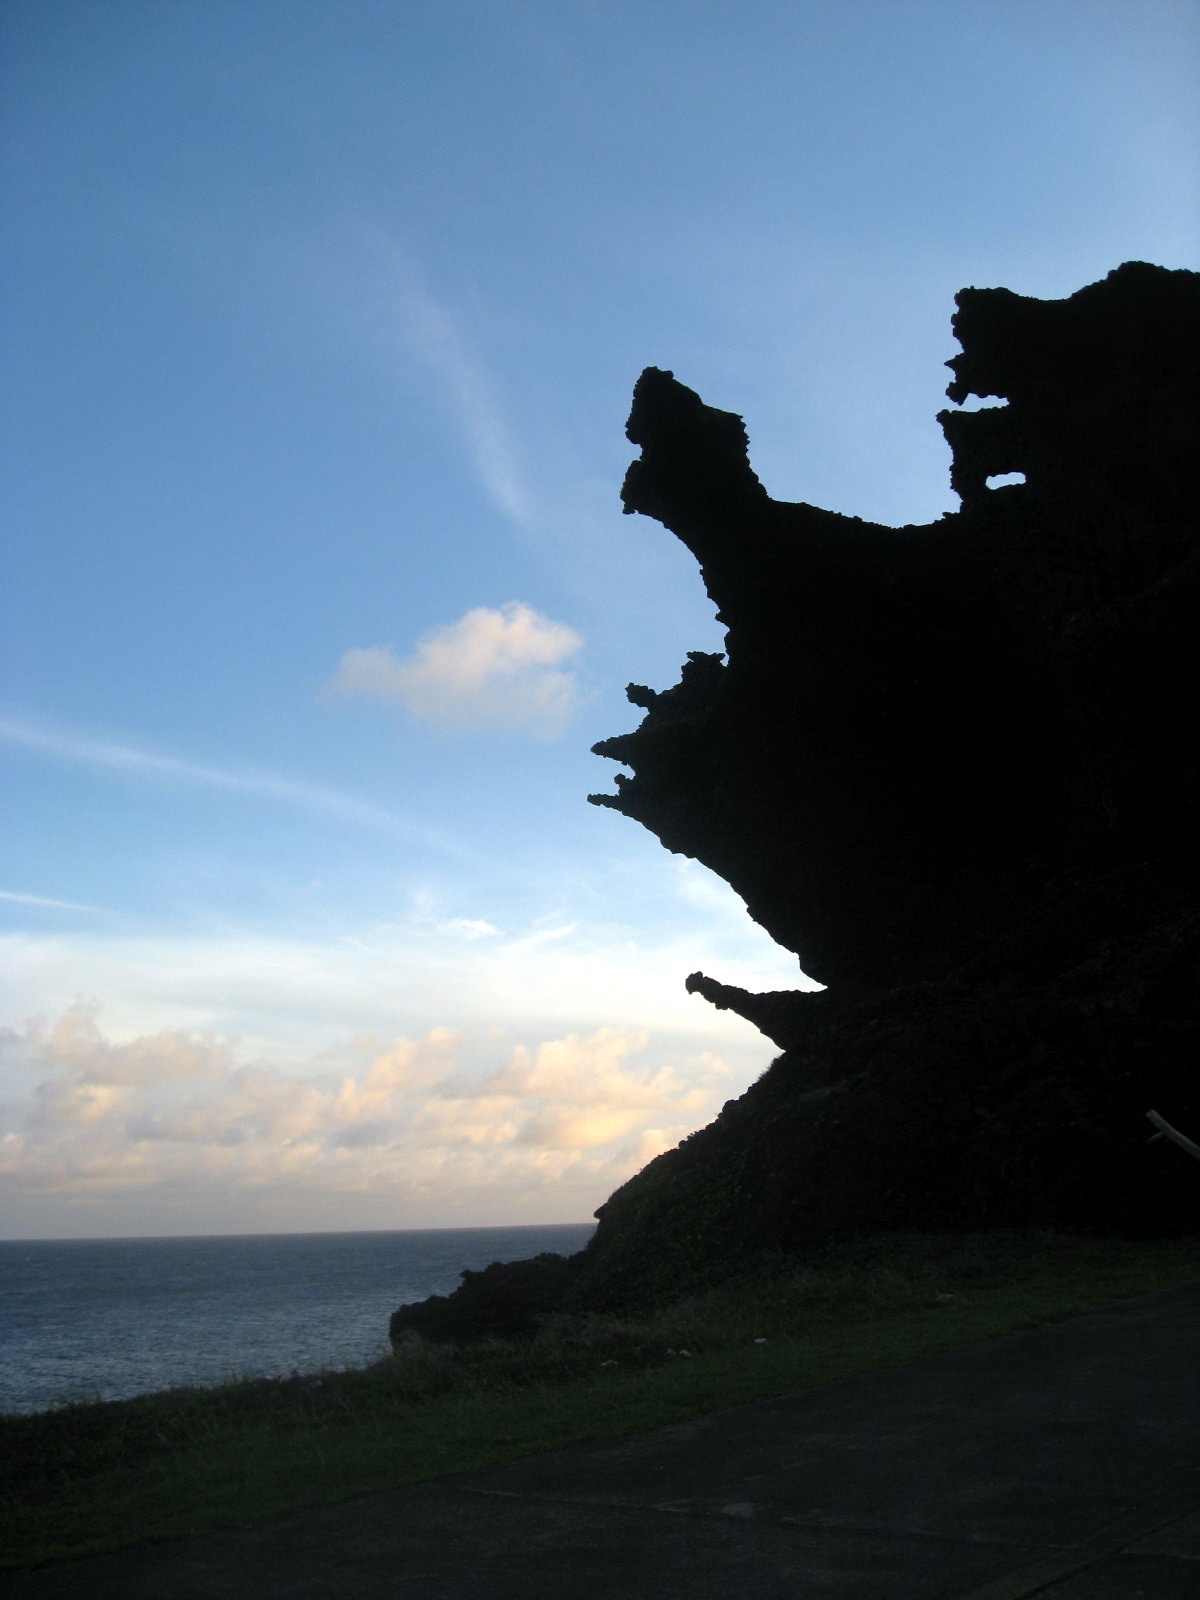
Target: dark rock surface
<point>504,1301</point>
<point>916,731</point>
<point>955,769</point>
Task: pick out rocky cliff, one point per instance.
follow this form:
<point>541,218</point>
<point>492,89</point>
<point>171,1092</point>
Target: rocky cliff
<point>954,768</point>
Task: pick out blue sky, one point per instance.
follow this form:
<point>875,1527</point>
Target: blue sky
<point>322,321</point>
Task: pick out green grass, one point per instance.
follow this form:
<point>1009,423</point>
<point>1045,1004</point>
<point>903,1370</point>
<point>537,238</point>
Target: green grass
<point>88,1478</point>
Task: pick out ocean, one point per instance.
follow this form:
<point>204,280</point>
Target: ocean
<point>103,1319</point>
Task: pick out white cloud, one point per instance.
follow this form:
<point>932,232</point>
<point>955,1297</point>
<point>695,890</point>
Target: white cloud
<point>468,927</point>
<point>493,668</point>
<point>548,1131</point>
<point>76,1042</point>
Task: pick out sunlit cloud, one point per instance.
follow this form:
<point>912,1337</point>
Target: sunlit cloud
<point>493,668</point>
<point>459,1063</point>
<point>75,1042</point>
<point>552,1125</point>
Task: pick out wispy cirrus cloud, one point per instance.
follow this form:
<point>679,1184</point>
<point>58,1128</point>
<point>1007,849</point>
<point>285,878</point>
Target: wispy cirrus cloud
<point>493,668</point>
<point>135,761</point>
<point>432,334</point>
<point>14,897</point>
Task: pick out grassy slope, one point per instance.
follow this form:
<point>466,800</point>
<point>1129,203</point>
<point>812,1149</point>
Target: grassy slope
<point>88,1478</point>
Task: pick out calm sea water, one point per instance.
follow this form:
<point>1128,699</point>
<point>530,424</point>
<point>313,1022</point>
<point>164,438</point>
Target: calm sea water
<point>85,1319</point>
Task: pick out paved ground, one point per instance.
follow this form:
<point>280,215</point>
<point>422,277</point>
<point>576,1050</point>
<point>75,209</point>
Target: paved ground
<point>1063,1463</point>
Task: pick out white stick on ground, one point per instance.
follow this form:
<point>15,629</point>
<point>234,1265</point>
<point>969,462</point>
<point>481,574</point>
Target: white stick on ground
<point>1165,1130</point>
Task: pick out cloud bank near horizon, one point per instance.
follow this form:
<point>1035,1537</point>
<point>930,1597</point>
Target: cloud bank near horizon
<point>207,1132</point>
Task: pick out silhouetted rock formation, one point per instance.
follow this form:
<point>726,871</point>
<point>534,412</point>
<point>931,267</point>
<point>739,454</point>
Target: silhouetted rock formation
<point>504,1301</point>
<point>955,769</point>
<point>917,730</point>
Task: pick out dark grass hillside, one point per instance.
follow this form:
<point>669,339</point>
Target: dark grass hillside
<point>88,1478</point>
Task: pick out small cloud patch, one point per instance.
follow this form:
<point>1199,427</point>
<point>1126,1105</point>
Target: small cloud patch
<point>499,669</point>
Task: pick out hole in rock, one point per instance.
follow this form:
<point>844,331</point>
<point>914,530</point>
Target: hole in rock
<point>1001,480</point>
<point>990,402</point>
